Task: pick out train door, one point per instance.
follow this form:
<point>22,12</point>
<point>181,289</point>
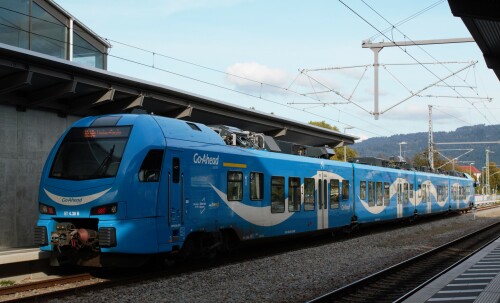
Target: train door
<point>400,200</point>
<point>429,195</point>
<point>176,184</point>
<point>322,200</point>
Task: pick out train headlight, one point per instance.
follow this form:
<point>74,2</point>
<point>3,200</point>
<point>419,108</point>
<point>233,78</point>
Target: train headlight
<point>108,209</point>
<point>46,209</point>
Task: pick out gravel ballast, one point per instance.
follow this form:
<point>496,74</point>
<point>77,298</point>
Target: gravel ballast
<point>299,275</point>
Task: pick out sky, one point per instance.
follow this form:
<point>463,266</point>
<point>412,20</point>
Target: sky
<point>303,60</point>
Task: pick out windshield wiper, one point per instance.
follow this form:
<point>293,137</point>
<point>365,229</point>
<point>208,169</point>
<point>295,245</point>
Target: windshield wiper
<point>105,162</point>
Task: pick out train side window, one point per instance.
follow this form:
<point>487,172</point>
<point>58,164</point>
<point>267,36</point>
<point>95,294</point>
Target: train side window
<point>294,194</point>
<point>379,194</point>
<point>419,190</point>
<point>334,194</point>
<point>371,193</point>
<point>387,193</point>
<point>424,192</point>
<point>234,186</point>
<point>176,169</point>
<point>411,191</point>
<point>309,199</point>
<point>151,166</point>
<point>277,194</point>
<point>345,189</point>
<point>406,197</point>
<point>256,186</point>
<point>362,190</point>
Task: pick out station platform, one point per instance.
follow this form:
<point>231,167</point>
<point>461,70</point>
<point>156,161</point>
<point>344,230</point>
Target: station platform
<point>23,264</point>
<point>477,280</point>
<point>15,255</point>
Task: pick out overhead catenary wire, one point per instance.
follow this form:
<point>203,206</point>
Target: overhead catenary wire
<point>420,47</point>
<point>453,116</point>
<point>399,23</point>
<point>408,54</point>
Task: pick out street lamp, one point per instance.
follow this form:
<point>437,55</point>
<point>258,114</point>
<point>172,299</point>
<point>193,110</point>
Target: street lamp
<point>345,147</point>
<point>401,143</point>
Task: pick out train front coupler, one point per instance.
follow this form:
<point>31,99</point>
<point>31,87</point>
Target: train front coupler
<point>67,236</point>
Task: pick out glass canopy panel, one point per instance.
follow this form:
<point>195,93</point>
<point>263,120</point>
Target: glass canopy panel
<point>48,34</point>
<point>14,23</point>
<point>86,54</point>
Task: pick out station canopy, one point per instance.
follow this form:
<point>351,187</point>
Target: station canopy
<point>482,19</point>
<point>34,80</point>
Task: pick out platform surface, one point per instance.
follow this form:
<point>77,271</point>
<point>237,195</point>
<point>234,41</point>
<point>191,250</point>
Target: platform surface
<point>15,255</point>
<point>477,280</point>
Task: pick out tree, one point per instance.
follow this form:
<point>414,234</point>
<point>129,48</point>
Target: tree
<point>339,151</point>
<point>494,176</point>
<point>421,159</point>
<point>324,125</point>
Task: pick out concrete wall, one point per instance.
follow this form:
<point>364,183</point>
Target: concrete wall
<point>26,139</point>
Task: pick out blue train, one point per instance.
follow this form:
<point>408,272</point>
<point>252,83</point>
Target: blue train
<point>137,185</point>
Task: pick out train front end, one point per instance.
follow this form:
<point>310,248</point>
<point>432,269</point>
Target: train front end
<point>85,190</point>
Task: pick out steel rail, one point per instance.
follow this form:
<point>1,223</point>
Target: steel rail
<point>388,273</point>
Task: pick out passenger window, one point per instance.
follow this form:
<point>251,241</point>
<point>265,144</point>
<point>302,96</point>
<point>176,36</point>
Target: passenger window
<point>345,189</point>
<point>151,166</point>
<point>419,190</point>
<point>294,194</point>
<point>234,186</point>
<point>371,194</point>
<point>334,194</point>
<point>411,191</point>
<point>387,193</point>
<point>277,194</point>
<point>176,169</point>
<point>380,194</point>
<point>309,200</point>
<point>405,190</point>
<point>256,186</point>
<point>424,192</point>
<point>362,190</point>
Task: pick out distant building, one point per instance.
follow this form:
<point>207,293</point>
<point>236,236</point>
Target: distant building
<point>45,27</point>
<point>471,169</point>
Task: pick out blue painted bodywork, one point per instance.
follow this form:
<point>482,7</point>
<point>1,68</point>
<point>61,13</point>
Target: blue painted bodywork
<point>156,217</point>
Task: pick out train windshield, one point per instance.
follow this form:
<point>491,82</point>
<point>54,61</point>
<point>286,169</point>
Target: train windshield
<point>90,153</point>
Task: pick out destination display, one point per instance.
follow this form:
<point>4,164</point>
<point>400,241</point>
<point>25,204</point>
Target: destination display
<point>87,133</point>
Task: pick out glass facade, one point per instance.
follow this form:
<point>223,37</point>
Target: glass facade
<point>85,53</point>
<point>37,26</point>
<point>14,23</point>
<point>48,36</point>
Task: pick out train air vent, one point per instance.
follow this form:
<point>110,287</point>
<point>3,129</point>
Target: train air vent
<point>107,237</point>
<point>41,236</point>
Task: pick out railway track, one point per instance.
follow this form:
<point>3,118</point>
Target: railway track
<point>398,282</point>
<point>35,291</point>
<point>60,287</point>
<point>487,207</point>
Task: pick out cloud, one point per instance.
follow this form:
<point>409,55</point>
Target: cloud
<point>255,78</point>
<point>421,112</point>
<point>173,7</point>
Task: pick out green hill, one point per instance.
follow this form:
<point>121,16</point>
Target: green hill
<point>385,147</point>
